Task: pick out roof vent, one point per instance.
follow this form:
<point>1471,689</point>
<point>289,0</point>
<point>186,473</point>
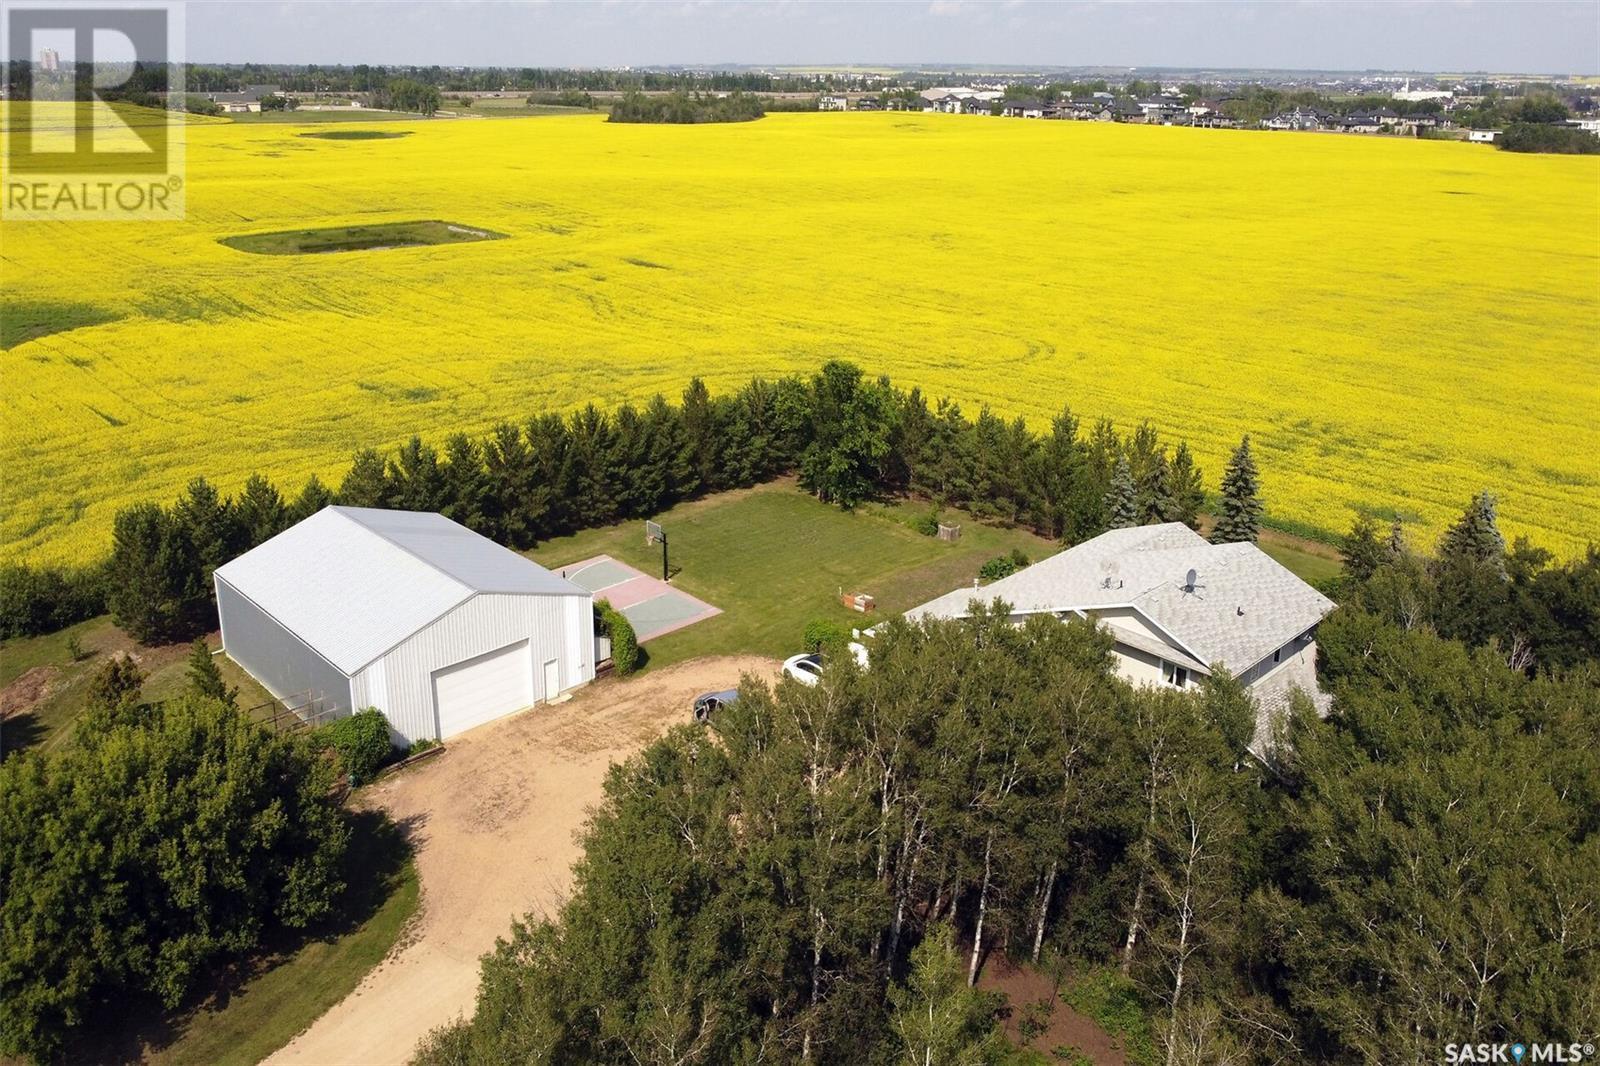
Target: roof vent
<point>1241,610</point>
<point>1189,579</point>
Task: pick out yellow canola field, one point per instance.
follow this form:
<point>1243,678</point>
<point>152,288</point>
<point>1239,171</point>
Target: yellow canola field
<point>1398,324</point>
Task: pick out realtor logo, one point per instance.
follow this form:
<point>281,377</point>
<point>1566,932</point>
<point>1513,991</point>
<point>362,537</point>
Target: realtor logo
<point>94,125</point>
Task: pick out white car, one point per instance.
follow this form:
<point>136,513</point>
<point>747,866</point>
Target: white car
<point>806,669</point>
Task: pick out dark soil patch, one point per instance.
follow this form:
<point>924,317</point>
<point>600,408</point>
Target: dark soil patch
<point>1032,996</point>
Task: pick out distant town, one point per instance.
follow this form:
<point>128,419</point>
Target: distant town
<point>1474,107</point>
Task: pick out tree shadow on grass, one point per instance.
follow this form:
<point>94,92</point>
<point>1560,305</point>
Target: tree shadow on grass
<point>19,732</point>
<point>127,1028</point>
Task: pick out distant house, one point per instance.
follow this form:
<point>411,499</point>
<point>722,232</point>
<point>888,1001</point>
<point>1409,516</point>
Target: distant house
<point>1215,120</point>
<point>1088,110</point>
<point>1361,122</point>
<point>1298,118</point>
<point>971,105</point>
<point>1204,107</point>
<point>833,102</point>
<point>1176,607</point>
<point>1023,109</point>
<point>1484,136</point>
<point>1127,111</point>
<point>869,103</point>
<point>247,100</point>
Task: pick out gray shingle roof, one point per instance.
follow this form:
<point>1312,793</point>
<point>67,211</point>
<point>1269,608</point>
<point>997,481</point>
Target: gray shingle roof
<point>1243,604</point>
<point>352,582</point>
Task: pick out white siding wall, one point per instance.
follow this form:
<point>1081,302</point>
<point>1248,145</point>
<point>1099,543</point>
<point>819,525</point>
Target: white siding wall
<point>556,627</point>
<point>1129,619</point>
<point>1138,667</point>
<point>285,665</point>
<point>1296,659</point>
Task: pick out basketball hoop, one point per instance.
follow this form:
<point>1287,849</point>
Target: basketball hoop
<point>652,534</point>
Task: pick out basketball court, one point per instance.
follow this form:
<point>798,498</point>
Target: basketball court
<point>653,606</point>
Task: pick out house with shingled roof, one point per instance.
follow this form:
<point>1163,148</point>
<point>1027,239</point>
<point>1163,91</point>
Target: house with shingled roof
<point>1178,608</point>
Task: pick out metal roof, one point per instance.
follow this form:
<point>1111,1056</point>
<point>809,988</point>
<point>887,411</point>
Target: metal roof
<point>1243,605</point>
<point>353,582</point>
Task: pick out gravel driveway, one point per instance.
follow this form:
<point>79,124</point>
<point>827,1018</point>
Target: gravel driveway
<point>493,821</point>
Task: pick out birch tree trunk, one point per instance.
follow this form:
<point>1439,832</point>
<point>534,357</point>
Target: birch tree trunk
<point>983,907</point>
<point>1044,910</point>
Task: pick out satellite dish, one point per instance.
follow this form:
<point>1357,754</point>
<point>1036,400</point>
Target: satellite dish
<point>1189,579</point>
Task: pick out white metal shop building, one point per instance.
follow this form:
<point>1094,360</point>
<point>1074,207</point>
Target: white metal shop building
<point>405,611</point>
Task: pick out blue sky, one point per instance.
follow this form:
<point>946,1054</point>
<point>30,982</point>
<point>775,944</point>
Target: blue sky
<point>1546,36</point>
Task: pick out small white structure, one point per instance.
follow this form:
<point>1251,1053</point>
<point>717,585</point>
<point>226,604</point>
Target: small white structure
<point>1177,606</point>
<point>1483,136</point>
<point>833,102</point>
<point>408,612</point>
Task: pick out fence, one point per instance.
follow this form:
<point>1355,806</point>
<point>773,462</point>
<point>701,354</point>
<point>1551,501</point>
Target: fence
<point>300,710</point>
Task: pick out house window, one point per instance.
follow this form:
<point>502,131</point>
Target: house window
<point>1277,656</point>
<point>1174,675</point>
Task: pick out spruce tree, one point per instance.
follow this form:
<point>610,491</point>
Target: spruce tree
<point>1476,536</point>
<point>262,512</point>
<point>1239,518</point>
<point>365,485</point>
<point>1122,504</point>
<point>313,498</point>
<point>1395,547</point>
<point>1362,551</point>
<point>1156,502</point>
<point>205,680</point>
<point>1188,491</point>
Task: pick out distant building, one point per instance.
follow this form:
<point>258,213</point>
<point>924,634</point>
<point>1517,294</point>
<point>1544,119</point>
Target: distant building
<point>1023,109</point>
<point>869,103</point>
<point>1299,118</point>
<point>833,102</point>
<point>1484,136</point>
<point>49,59</point>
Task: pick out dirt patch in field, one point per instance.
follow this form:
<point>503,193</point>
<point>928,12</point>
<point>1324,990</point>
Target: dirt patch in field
<point>494,821</point>
<point>28,689</point>
<point>1064,1028</point>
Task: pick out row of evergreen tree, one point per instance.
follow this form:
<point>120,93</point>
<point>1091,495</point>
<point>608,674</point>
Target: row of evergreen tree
<point>1418,869</point>
<point>848,437</point>
<point>1539,614</point>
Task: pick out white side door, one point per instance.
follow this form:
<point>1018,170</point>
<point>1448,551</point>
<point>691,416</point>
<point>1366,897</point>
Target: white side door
<point>552,680</point>
<point>483,688</point>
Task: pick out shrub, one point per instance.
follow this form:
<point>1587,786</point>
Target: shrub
<point>45,600</point>
<point>361,742</point>
<point>624,643</point>
<point>147,850</point>
<point>1003,565</point>
<point>1532,137</point>
<point>827,637</point>
<point>420,746</point>
<point>927,525</point>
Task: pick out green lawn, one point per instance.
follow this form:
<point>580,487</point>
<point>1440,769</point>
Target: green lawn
<point>773,558</point>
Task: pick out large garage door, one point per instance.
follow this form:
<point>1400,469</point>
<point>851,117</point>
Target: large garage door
<point>482,689</point>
